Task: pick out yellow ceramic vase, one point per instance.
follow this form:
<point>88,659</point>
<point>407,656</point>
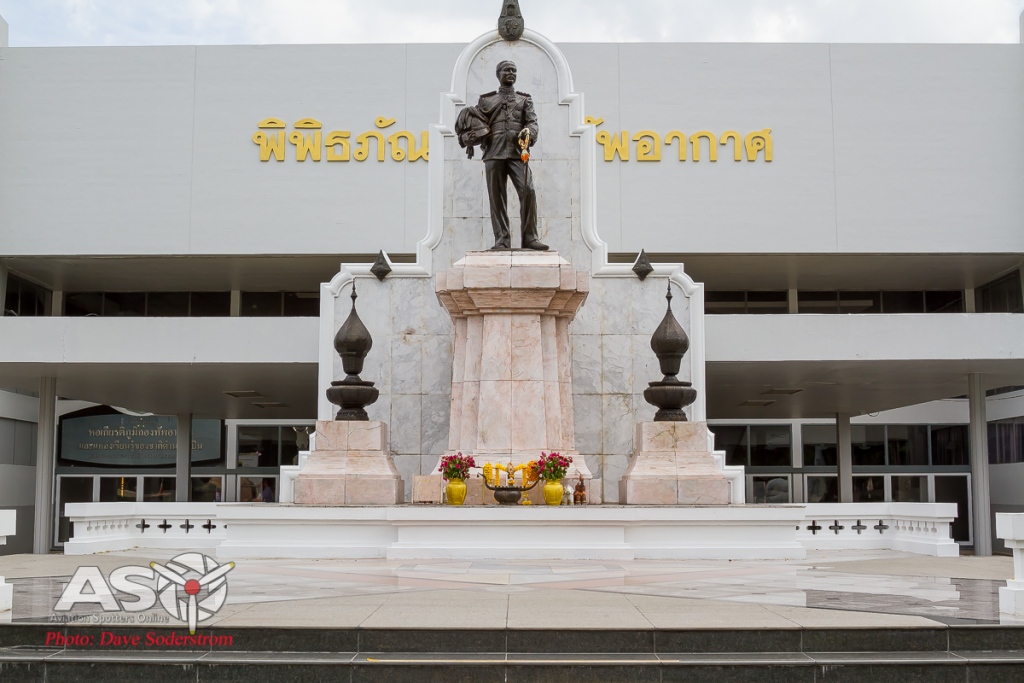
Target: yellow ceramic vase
<point>553,492</point>
<point>455,492</point>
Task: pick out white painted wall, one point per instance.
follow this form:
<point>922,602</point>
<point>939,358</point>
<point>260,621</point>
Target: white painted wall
<point>158,340</point>
<point>877,148</point>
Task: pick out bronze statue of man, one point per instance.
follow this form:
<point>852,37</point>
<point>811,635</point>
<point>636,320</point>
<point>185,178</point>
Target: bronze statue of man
<point>504,124</point>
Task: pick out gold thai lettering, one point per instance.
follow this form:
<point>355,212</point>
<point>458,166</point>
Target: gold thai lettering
<point>648,143</point>
<point>307,145</point>
<point>679,136</point>
<point>649,147</point>
<point>614,144</point>
<point>755,142</point>
<point>310,142</point>
<point>335,139</point>
<point>399,154</point>
<point>712,144</point>
<point>737,153</point>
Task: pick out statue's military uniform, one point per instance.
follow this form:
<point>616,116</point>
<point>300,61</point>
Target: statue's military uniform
<point>508,112</point>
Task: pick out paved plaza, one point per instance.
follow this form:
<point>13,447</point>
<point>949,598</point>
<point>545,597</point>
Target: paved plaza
<point>828,589</point>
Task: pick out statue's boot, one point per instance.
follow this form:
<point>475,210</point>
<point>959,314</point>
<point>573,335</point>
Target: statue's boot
<point>536,245</point>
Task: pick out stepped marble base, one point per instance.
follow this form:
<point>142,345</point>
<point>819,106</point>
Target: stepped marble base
<point>673,465</point>
<point>350,466</point>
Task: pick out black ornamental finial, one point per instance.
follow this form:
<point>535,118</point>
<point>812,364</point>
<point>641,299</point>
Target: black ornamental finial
<point>642,267</point>
<point>352,342</point>
<point>510,23</point>
<point>670,343</point>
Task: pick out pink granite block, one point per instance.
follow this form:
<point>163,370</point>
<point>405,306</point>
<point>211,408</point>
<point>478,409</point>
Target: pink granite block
<point>319,491</point>
<point>649,491</point>
<point>568,416</point>
<point>486,258</point>
<point>582,281</point>
<point>455,278</point>
<point>441,281</point>
<point>367,436</point>
<point>374,491</point>
<point>529,424</point>
<point>468,438</point>
<point>455,418</point>
<point>553,416</point>
<point>496,358</point>
<point>427,489</point>
<point>487,277</point>
<point>696,463</point>
<point>539,276</point>
<point>691,436</point>
<point>494,423</point>
<point>331,436</point>
<point>566,277</point>
<point>703,491</point>
<point>474,348</point>
<point>526,347</point>
<point>549,348</point>
<point>656,436</point>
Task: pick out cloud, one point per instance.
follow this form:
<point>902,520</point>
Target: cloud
<point>175,22</point>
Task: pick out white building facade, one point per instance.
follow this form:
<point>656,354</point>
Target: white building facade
<point>168,214</point>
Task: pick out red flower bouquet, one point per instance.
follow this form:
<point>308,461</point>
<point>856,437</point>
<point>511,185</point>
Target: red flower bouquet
<point>552,466</point>
<point>456,466</point>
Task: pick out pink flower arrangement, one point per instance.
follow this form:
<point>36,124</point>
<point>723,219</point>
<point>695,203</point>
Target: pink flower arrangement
<point>552,466</point>
<point>456,466</point>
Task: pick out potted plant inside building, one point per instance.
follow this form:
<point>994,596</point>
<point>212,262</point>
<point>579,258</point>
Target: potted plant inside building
<point>455,470</point>
<point>552,468</point>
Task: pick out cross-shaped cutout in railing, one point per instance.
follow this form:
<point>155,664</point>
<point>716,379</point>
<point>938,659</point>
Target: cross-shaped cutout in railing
<point>837,527</point>
<point>209,526</point>
<point>814,528</point>
<point>143,526</point>
<point>858,527</point>
<point>187,526</point>
<point>165,526</point>
<point>881,527</point>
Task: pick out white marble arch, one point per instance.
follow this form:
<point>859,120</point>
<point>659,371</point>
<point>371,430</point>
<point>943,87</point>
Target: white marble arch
<point>412,354</point>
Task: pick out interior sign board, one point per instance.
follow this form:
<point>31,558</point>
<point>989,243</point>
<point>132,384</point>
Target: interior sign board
<point>134,441</point>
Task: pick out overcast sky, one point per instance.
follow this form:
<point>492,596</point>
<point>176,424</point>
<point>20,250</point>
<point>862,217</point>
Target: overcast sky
<point>205,22</point>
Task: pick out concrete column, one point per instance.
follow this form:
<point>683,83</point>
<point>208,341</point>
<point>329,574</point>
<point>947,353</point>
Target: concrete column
<point>183,471</point>
<point>56,303</point>
<point>236,303</point>
<point>970,306</point>
<point>45,455</point>
<point>844,450</point>
<point>792,301</point>
<point>979,466</point>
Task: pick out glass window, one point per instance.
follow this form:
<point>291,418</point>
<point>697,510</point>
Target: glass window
<point>869,489</point>
<point>954,489</point>
<point>158,489</point>
<point>24,298</point>
<point>723,303</point>
<point>305,304</point>
<point>732,440</point>
<point>817,302</point>
<point>1001,296</point>
<point>207,489</point>
<point>7,429</point>
<point>257,489</point>
<point>944,302</point>
<point>771,490</point>
<point>83,303</point>
<point>908,445</point>
<point>819,445</point>
<point>167,304</point>
<point>950,445</point>
<point>767,302</point>
<point>860,302</point>
<point>261,304</point>
<point>259,446</point>
<point>118,489</point>
<point>771,446</point>
<point>822,489</point>
<point>902,302</point>
<point>124,304</point>
<point>72,490</point>
<point>867,444</point>
<point>210,304</point>
<point>910,489</point>
<point>24,443</point>
<point>1005,441</point>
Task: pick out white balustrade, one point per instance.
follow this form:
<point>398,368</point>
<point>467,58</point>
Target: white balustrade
<point>102,527</point>
<point>1010,528</point>
<point>922,528</point>
<point>7,527</point>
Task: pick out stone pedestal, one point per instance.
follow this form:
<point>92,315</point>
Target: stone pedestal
<point>512,372</point>
<point>673,465</point>
<point>1010,528</point>
<point>350,466</point>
